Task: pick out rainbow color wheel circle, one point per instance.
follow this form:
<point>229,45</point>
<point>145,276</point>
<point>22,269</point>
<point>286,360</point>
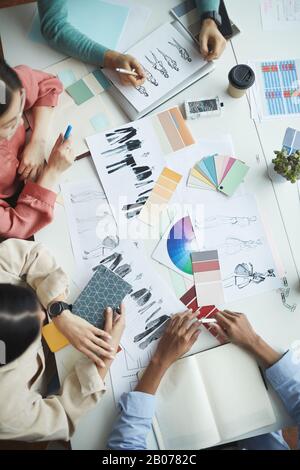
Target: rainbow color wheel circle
<point>181,242</point>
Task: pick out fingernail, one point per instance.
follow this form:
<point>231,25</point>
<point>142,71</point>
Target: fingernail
<point>111,349</point>
<point>108,336</point>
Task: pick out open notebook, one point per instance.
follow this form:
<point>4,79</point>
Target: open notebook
<point>172,62</point>
<point>211,397</point>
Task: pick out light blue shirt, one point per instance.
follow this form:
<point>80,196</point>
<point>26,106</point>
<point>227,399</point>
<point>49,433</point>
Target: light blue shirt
<point>137,410</point>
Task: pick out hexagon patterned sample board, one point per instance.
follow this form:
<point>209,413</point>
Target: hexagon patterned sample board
<point>105,289</point>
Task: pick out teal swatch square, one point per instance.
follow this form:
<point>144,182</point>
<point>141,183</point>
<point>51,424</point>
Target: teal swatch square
<point>80,92</point>
<point>67,77</point>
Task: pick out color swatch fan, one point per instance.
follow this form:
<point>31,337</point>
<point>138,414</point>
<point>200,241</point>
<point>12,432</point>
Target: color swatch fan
<point>218,173</point>
<point>175,248</point>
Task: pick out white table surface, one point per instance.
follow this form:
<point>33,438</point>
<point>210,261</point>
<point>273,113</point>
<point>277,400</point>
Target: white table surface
<point>254,144</point>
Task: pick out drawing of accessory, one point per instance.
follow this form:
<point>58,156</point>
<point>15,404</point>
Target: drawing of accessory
<point>109,258</point>
<point>143,310</point>
<point>234,245</point>
<point>121,135</point>
<point>158,65</point>
<point>142,172</point>
<point>131,215</point>
<point>127,161</point>
<point>153,314</point>
<point>142,90</point>
<point>171,62</point>
<point>86,196</point>
<point>142,296</point>
<point>149,77</point>
<point>138,277</point>
<point>123,270</point>
<point>284,293</point>
<point>116,262</point>
<point>182,51</point>
<point>136,205</point>
<point>244,275</point>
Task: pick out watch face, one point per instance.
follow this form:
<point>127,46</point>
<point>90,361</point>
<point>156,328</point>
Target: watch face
<point>55,309</point>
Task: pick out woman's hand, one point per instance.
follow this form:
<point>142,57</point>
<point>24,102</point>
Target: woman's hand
<point>114,325</point>
<point>89,340</point>
<point>212,42</point>
<point>114,60</point>
<point>181,333</point>
<point>61,158</point>
<point>33,160</point>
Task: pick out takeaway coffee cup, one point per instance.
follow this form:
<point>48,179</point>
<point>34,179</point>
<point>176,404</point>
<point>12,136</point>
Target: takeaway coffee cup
<point>241,78</point>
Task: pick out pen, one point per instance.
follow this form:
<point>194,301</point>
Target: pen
<point>208,320</point>
<point>127,72</point>
<point>68,132</point>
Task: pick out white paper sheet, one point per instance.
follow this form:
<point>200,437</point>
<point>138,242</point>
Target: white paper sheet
<point>247,264</point>
<point>280,15</point>
<point>175,60</point>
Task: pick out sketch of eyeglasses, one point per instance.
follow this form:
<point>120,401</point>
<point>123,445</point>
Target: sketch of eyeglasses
<point>182,50</point>
<point>158,65</point>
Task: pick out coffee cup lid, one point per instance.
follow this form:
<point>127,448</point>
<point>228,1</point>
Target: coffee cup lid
<point>241,76</point>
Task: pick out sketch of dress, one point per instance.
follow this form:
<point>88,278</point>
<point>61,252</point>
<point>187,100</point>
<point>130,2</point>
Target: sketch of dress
<point>234,245</point>
<point>142,90</point>
<point>121,136</point>
<point>158,65</point>
<point>244,275</point>
<point>150,77</point>
<point>153,330</point>
<point>126,162</point>
<point>171,62</point>
<point>182,50</point>
<point>86,196</point>
<point>129,146</point>
<point>219,220</point>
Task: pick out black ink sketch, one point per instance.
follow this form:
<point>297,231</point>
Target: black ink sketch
<point>115,258</point>
<point>126,162</point>
<point>234,245</point>
<point>144,309</point>
<point>244,275</point>
<point>123,270</point>
<point>284,293</point>
<point>86,196</point>
<point>150,77</point>
<point>216,221</point>
<point>182,51</point>
<point>153,314</point>
<point>171,62</point>
<point>108,243</point>
<point>142,296</point>
<point>158,65</point>
<point>127,147</point>
<point>139,185</point>
<point>131,215</point>
<point>156,327</point>
<point>142,90</point>
<point>121,136</point>
<point>142,172</point>
<point>292,308</point>
<point>116,262</point>
<point>138,277</point>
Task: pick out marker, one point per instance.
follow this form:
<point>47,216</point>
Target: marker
<point>68,132</point>
<point>208,320</point>
<point>127,72</point>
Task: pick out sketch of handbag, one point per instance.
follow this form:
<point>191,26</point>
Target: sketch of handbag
<point>150,77</point>
<point>123,270</point>
<point>171,62</point>
<point>182,51</point>
<point>158,65</point>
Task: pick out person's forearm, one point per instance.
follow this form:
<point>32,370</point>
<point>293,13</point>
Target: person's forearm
<point>152,376</point>
<point>42,116</point>
<point>264,352</point>
<point>207,5</point>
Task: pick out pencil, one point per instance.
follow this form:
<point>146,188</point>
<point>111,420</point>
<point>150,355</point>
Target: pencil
<point>127,72</point>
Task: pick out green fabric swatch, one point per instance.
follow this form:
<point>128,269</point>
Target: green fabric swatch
<point>80,92</point>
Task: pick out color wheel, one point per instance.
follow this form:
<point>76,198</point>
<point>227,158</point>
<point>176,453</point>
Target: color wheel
<point>181,242</point>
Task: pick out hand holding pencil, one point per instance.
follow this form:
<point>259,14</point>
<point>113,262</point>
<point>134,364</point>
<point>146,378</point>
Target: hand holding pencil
<point>129,69</point>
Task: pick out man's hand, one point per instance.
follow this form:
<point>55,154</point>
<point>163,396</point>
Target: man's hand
<point>212,42</point>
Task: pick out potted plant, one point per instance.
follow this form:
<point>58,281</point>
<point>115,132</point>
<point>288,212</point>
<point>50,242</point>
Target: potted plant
<point>287,166</point>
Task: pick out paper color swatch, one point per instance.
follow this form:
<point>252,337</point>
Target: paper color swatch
<point>207,277</point>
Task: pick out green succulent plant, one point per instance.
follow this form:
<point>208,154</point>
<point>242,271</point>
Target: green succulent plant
<point>287,166</point>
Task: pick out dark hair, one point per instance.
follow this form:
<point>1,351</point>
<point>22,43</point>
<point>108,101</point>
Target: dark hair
<point>19,322</point>
<point>11,82</point>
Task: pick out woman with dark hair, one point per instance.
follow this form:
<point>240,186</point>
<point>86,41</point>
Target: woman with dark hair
<point>27,185</point>
<point>31,282</point>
